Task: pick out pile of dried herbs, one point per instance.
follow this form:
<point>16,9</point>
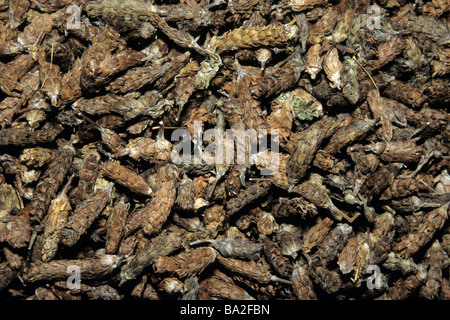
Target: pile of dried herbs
<point>92,205</point>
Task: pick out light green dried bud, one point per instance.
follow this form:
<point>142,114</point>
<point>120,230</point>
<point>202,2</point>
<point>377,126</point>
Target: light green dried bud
<point>208,70</point>
<point>350,86</point>
<point>304,105</point>
<point>395,263</point>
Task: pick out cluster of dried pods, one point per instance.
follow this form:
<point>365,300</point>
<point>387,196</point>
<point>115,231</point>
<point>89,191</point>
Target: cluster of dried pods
<point>356,92</point>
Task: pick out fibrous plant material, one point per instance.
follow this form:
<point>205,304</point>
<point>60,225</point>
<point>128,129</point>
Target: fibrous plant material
<point>56,218</point>
<point>15,231</point>
<point>152,216</point>
<point>126,177</point>
<point>301,282</point>
<point>52,179</point>
<point>84,215</point>
<point>256,270</point>
<point>115,225</point>
<point>186,264</point>
<point>316,234</point>
<point>306,145</point>
<point>27,136</point>
<point>220,286</point>
<point>245,149</point>
<point>90,268</point>
<point>235,247</point>
<point>412,242</point>
<point>274,254</point>
<point>271,35</point>
<point>246,196</point>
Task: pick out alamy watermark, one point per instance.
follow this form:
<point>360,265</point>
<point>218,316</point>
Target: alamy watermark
<point>374,20</point>
<point>375,281</point>
<point>231,146</point>
<point>74,21</point>
<point>74,280</point>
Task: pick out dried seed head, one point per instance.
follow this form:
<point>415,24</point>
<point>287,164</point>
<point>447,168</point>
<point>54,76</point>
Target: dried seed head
<point>190,224</point>
<point>396,263</point>
<point>235,247</point>
<point>208,70</point>
<point>186,194</point>
<point>302,5</point>
<point>305,105</point>
<point>340,32</point>
<point>172,285</point>
<point>313,62</point>
<point>268,36</point>
<point>186,264</point>
<point>316,234</point>
<point>15,231</point>
<point>324,26</point>
<point>221,286</point>
<point>85,214</point>
<point>306,146</point>
<point>290,239</point>
<point>265,223</point>
<point>301,283</point>
<point>333,68</point>
<point>115,225</point>
<point>350,85</point>
<point>126,177</point>
<point>10,201</point>
<point>263,55</point>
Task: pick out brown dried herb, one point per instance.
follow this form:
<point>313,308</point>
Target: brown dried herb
<point>152,216</point>
<point>186,194</point>
<point>332,245</point>
<point>84,215</point>
<point>316,234</point>
<point>28,136</point>
<point>126,177</point>
<point>116,225</point>
<point>54,222</point>
<point>36,157</point>
<point>235,247</point>
<point>52,179</point>
<point>264,36</point>
<point>219,286</point>
<point>187,263</point>
<point>162,245</point>
<point>15,230</point>
<point>432,221</point>
<point>90,268</point>
<point>363,132</point>
<point>276,80</point>
<point>273,254</point>
<point>256,270</point>
<point>301,282</point>
<point>402,288</point>
<point>380,179</point>
<point>306,146</point>
<point>246,196</point>
<point>435,258</point>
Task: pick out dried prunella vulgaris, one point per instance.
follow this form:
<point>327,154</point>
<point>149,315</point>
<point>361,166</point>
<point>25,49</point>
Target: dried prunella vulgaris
<point>52,179</point>
<point>314,150</point>
<point>153,215</point>
<point>301,282</point>
<point>186,264</point>
<point>90,268</point>
<point>235,247</point>
<point>85,214</point>
<point>303,153</point>
<point>126,177</point>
